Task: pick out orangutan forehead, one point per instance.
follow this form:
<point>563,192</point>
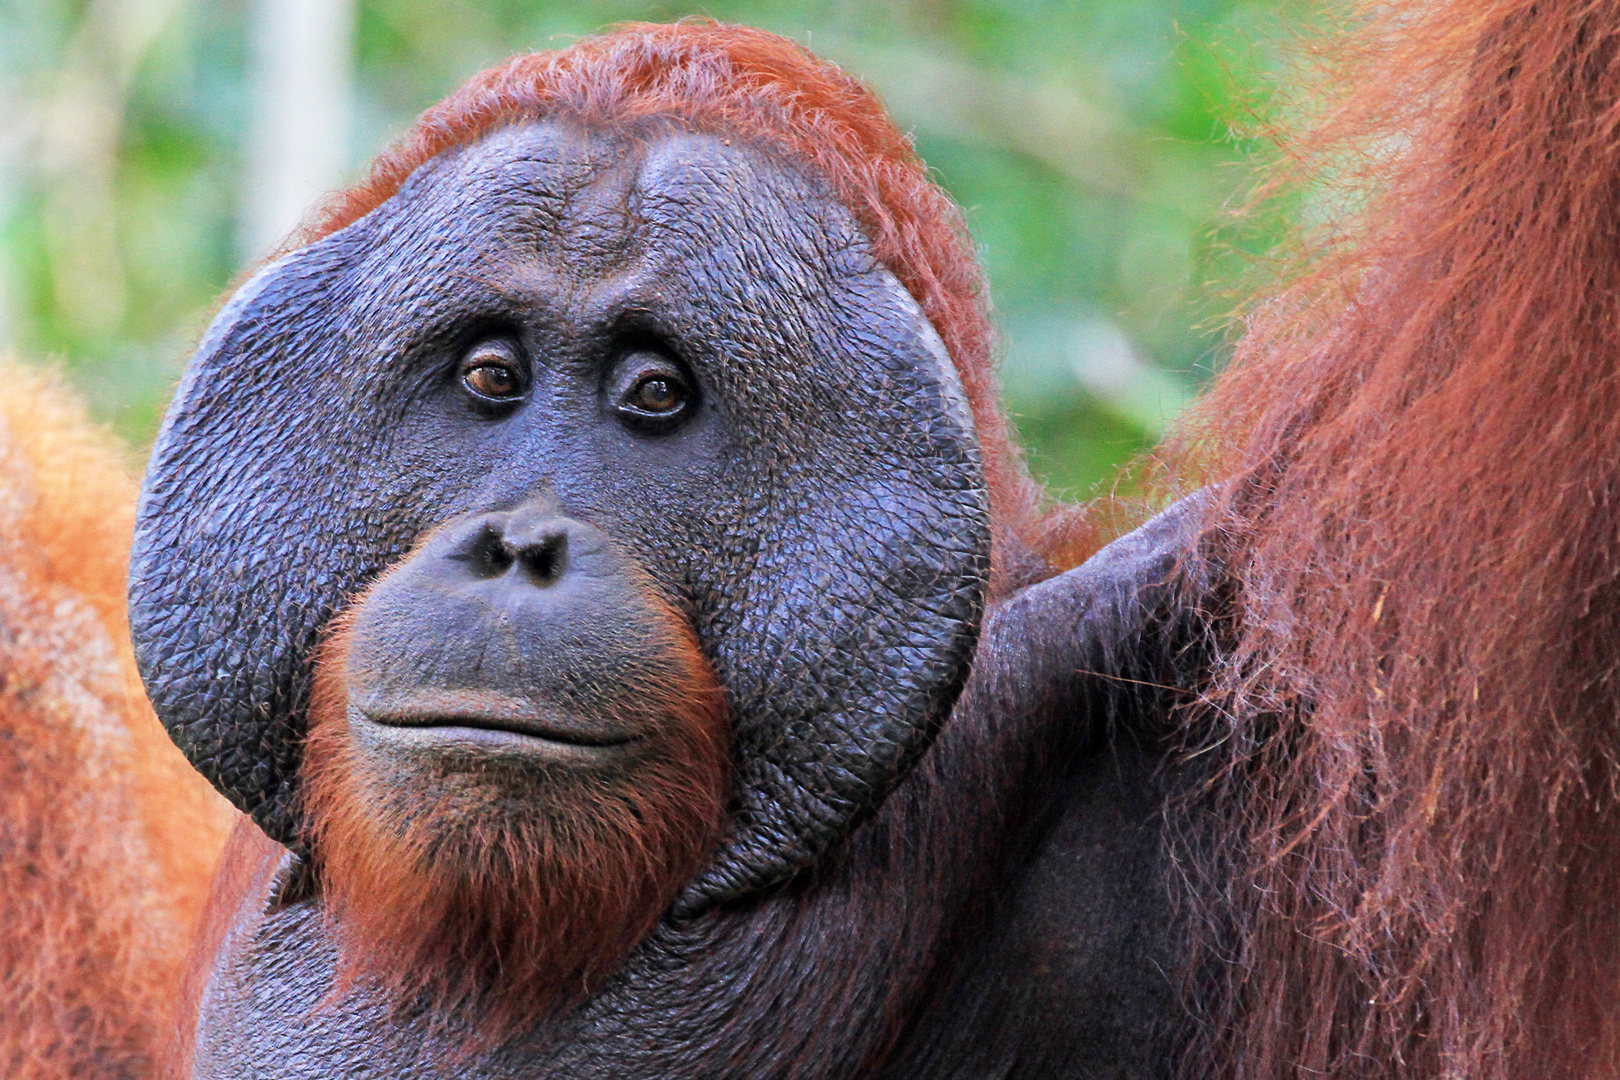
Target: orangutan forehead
<point>591,199</point>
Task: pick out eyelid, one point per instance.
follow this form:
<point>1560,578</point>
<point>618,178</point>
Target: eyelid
<point>491,349</point>
<point>637,365</point>
<point>655,368</point>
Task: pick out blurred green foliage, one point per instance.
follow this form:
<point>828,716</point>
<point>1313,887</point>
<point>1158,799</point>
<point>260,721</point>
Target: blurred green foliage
<point>1088,141</point>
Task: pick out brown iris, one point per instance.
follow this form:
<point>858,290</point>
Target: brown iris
<point>657,394</point>
<point>493,372</point>
<point>492,380</point>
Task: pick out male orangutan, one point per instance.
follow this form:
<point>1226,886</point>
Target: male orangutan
<point>595,558</point>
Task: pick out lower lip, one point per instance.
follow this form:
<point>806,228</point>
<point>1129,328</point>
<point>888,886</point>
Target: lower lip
<point>452,737</point>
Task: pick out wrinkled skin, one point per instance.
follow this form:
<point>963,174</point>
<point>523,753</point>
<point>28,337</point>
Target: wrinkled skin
<point>320,433</point>
<point>819,514</point>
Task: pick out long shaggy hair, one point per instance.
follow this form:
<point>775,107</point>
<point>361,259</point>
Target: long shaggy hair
<point>107,836</point>
<point>494,896</point>
<point>1417,717</point>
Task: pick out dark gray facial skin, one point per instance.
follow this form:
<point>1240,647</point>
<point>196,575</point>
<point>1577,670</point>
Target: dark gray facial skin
<point>522,636</point>
<point>818,511</point>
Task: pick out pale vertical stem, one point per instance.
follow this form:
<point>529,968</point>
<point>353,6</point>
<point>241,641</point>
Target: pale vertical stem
<point>15,117</point>
<point>301,80</point>
<point>78,156</point>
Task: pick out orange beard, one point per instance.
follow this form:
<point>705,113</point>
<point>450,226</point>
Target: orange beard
<point>493,898</point>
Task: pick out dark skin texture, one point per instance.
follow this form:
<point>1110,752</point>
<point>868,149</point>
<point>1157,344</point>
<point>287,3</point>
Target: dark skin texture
<point>323,429</point>
<point>943,856</point>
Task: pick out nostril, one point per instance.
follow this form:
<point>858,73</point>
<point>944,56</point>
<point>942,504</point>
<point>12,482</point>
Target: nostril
<point>489,553</point>
<point>545,559</point>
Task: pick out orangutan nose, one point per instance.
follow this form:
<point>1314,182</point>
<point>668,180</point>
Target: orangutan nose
<point>536,549</point>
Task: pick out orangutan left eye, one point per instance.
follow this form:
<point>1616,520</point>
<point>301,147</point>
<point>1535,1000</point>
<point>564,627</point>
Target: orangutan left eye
<point>650,392</point>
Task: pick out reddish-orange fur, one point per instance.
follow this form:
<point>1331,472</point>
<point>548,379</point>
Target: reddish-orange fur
<point>1417,448</point>
<point>497,898</point>
<point>1419,443</point>
<point>107,837</point>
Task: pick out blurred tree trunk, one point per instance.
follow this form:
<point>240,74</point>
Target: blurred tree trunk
<point>301,82</point>
<point>78,140</point>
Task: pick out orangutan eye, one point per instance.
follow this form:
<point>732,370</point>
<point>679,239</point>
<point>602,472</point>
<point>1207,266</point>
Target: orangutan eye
<point>493,372</point>
<point>657,394</point>
<point>650,392</point>
<point>492,380</point>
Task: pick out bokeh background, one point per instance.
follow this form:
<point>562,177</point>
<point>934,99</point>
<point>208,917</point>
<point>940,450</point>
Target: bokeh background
<point>151,150</point>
